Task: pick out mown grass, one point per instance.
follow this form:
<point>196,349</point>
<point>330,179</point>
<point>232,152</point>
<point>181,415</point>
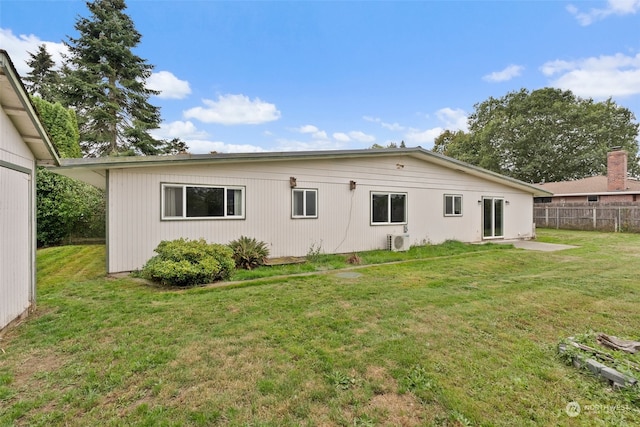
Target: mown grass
<point>463,338</point>
<point>324,262</point>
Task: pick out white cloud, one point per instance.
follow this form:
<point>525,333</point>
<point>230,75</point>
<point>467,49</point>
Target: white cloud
<point>341,136</point>
<point>453,119</point>
<point>313,130</point>
<point>320,135</point>
<point>507,74</point>
<point>234,110</point>
<point>613,7</point>
<point>295,145</point>
<point>197,140</point>
<point>197,146</point>
<point>391,126</point>
<point>307,129</point>
<point>178,129</point>
<point>416,136</point>
<point>20,46</point>
<point>361,136</point>
<point>169,86</point>
<point>596,77</point>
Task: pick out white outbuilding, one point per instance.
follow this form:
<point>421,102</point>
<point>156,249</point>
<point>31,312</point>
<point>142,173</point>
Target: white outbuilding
<point>24,144</point>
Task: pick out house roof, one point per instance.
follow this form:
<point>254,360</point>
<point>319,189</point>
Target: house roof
<point>17,105</point>
<point>93,170</point>
<point>593,185</point>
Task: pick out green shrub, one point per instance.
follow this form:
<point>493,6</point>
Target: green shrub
<point>185,262</point>
<point>248,252</point>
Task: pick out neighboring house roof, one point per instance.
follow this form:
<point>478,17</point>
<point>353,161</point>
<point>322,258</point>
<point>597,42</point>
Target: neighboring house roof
<point>17,105</point>
<point>593,185</point>
<point>93,170</point>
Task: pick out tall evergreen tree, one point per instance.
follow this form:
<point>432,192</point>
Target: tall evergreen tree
<point>43,80</point>
<point>106,83</point>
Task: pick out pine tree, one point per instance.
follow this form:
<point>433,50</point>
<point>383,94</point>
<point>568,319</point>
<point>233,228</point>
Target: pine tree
<point>106,83</point>
<point>43,80</point>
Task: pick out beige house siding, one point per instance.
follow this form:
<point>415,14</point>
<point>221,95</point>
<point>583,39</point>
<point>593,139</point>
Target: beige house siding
<point>17,229</point>
<point>343,224</point>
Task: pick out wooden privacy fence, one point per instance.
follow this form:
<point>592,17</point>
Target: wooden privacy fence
<point>588,217</point>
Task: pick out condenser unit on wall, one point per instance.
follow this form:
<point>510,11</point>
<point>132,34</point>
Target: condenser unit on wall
<point>398,242</point>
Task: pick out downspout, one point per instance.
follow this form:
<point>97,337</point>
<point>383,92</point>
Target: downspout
<point>33,235</point>
<point>106,220</point>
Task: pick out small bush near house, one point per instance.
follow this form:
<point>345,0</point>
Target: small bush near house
<point>189,263</point>
<point>248,252</point>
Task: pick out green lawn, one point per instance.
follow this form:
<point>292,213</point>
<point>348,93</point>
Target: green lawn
<point>457,335</point>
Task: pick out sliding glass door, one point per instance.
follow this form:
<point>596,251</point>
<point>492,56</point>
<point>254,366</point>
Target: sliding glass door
<point>492,217</point>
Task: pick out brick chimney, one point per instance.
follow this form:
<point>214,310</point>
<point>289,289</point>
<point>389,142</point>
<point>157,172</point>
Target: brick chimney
<point>617,170</point>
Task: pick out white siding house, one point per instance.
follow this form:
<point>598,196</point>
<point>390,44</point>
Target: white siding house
<point>339,201</point>
<point>23,144</point>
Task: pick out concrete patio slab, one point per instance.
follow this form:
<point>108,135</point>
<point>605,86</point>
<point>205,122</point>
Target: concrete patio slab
<point>533,245</point>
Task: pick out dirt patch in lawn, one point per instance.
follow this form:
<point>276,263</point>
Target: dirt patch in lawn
<point>285,260</point>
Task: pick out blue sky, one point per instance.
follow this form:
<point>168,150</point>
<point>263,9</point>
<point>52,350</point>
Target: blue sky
<point>240,76</point>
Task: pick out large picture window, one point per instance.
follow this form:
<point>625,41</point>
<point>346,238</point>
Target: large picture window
<point>388,208</point>
<point>304,203</point>
<point>452,205</point>
<point>199,201</point>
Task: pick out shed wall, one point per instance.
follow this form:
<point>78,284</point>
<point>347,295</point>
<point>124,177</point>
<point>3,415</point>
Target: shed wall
<point>16,224</point>
<point>343,225</point>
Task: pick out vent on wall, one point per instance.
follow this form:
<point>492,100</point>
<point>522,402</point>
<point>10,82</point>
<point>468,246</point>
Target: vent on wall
<point>398,242</point>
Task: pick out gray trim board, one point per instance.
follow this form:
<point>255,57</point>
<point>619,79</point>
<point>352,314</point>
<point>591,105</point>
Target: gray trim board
<point>15,167</point>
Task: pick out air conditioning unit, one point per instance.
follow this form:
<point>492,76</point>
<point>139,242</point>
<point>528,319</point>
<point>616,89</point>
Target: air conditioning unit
<point>398,242</point>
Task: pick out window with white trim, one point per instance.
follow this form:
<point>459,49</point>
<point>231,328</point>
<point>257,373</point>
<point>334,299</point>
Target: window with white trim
<point>304,203</point>
<point>388,208</point>
<point>202,201</point>
<point>452,205</point>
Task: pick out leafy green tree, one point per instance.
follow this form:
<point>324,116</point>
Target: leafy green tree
<point>461,146</point>
<point>43,79</point>
<point>106,83</point>
<point>543,136</point>
<point>389,145</point>
<point>61,125</point>
<point>65,206</point>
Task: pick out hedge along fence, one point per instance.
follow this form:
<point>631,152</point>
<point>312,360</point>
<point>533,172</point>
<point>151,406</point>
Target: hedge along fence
<point>588,217</point>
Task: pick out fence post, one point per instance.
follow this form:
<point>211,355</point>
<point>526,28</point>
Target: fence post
<point>595,215</point>
<point>546,216</point>
<point>619,219</point>
<point>557,217</point>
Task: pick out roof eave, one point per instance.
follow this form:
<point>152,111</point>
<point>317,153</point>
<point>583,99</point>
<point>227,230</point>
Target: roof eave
<point>597,193</point>
<point>101,164</point>
<point>36,138</point>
